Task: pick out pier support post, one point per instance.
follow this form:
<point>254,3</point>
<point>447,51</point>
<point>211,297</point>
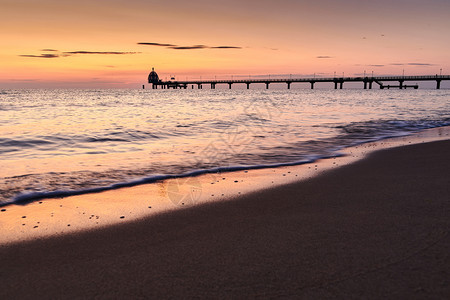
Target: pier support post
<point>267,85</point>
<point>370,85</point>
<point>438,84</point>
<point>199,86</point>
<point>341,84</point>
<point>365,85</point>
<point>312,84</point>
<point>400,84</point>
<point>229,85</point>
<point>213,86</point>
<point>288,85</point>
<point>248,85</point>
<point>335,85</point>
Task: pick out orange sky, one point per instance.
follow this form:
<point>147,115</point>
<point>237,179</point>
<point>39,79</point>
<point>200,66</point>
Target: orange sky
<point>95,43</point>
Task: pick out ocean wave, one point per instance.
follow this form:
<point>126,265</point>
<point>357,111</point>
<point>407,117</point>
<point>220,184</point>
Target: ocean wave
<point>59,185</point>
<point>23,143</point>
<point>189,132</point>
<point>28,197</point>
<point>386,128</point>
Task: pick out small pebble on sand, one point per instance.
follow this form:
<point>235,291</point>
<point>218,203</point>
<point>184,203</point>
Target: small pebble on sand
<point>122,217</point>
<point>3,209</point>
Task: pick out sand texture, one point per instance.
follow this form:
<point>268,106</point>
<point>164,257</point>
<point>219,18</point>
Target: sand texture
<point>377,228</point>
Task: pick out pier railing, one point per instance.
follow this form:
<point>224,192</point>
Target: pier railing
<point>367,80</point>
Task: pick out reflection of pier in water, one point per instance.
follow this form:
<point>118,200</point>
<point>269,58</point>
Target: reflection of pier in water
<point>368,81</point>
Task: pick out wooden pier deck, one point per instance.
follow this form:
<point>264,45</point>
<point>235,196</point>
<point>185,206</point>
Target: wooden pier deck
<point>368,82</point>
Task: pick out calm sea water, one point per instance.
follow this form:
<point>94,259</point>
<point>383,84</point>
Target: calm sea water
<point>56,142</point>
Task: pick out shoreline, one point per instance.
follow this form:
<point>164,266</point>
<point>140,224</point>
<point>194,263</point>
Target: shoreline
<point>92,211</point>
<point>27,198</point>
<point>375,228</point>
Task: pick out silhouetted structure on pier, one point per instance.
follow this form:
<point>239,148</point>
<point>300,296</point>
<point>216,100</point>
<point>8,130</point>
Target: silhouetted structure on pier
<point>368,81</point>
<point>153,77</point>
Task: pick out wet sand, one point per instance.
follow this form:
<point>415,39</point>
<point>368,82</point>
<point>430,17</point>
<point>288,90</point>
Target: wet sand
<point>375,228</point>
<point>60,216</point>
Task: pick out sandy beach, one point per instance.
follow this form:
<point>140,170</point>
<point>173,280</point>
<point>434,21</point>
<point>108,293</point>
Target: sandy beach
<point>377,228</point>
<point>225,150</point>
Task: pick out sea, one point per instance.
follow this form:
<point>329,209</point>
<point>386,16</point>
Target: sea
<point>55,143</point>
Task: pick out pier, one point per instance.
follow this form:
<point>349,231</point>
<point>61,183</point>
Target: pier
<point>338,82</point>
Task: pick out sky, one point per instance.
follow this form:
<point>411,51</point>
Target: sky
<point>115,43</point>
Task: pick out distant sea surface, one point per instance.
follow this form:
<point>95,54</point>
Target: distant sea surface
<point>62,142</point>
